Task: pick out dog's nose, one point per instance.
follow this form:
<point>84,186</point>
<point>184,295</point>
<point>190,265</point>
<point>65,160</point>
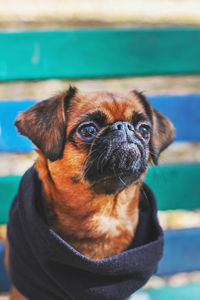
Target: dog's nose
<point>123,126</point>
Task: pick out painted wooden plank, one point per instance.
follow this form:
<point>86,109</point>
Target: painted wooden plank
<point>107,52</point>
<point>175,187</point>
<point>10,140</point>
<point>181,251</point>
<point>183,292</point>
<point>183,111</point>
<point>8,189</point>
<point>4,280</point>
<point>177,107</point>
<point>181,254</point>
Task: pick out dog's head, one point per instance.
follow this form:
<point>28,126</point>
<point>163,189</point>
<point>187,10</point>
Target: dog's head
<point>102,139</point>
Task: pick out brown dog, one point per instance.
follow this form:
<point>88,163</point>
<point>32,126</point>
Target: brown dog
<point>94,151</point>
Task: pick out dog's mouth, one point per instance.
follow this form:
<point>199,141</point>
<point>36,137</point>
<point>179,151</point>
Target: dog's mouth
<point>113,167</point>
<point>112,184</point>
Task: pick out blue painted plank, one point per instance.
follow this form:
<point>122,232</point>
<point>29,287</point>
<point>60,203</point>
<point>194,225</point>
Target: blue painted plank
<point>181,109</point>
<point>181,254</point>
<point>4,280</point>
<point>10,140</point>
<point>181,251</point>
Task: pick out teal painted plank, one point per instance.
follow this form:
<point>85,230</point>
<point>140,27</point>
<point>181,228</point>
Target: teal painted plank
<point>110,52</point>
<point>8,189</point>
<point>175,187</point>
<point>190,291</point>
<point>181,251</point>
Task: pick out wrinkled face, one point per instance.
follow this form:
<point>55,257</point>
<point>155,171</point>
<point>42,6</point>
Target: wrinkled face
<point>115,135</point>
<point>104,141</point>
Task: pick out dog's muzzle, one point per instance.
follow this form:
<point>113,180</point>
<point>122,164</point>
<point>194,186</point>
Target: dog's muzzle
<point>117,158</point>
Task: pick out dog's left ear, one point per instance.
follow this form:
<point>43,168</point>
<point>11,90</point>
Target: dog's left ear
<point>45,124</point>
<point>163,135</point>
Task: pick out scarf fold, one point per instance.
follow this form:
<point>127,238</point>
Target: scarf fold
<point>45,267</point>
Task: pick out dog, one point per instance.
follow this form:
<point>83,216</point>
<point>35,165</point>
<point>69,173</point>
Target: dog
<point>94,150</point>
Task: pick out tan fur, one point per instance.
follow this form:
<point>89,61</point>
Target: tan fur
<point>98,226</point>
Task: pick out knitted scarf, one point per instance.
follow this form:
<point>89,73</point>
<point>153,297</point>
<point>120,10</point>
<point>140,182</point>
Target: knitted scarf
<point>45,267</point>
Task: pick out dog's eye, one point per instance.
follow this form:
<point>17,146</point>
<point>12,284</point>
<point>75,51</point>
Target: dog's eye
<point>87,131</point>
<point>145,131</point>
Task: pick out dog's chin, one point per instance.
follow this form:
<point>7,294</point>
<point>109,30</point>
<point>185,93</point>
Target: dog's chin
<point>113,178</point>
<point>114,184</point>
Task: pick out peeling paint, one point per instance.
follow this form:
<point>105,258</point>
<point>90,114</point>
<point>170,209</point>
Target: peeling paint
<point>36,54</point>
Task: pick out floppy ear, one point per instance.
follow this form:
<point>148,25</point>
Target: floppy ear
<point>163,134</point>
<point>45,124</point>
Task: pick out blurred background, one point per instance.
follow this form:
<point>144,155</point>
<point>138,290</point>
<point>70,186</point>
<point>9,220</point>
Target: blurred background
<point>23,15</point>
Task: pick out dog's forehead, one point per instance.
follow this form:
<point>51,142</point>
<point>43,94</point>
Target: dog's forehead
<point>115,106</point>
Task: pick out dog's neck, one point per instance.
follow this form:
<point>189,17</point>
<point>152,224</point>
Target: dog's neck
<point>98,226</point>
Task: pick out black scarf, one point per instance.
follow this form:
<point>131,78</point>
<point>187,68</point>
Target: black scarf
<point>44,267</point>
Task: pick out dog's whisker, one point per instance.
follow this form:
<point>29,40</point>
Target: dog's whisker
<point>117,175</point>
<point>86,160</point>
<point>100,166</point>
<point>144,193</point>
<point>122,181</point>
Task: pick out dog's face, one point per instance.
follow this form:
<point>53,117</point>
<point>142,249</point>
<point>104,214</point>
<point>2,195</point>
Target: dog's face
<point>103,140</point>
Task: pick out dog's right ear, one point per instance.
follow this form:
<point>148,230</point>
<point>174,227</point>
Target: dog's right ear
<point>45,124</point>
<point>163,134</point>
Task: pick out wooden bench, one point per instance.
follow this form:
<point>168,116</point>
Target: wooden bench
<point>97,53</point>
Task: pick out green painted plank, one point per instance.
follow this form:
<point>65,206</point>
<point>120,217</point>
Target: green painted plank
<point>99,52</point>
<point>185,292</point>
<point>175,187</point>
<point>8,189</point>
